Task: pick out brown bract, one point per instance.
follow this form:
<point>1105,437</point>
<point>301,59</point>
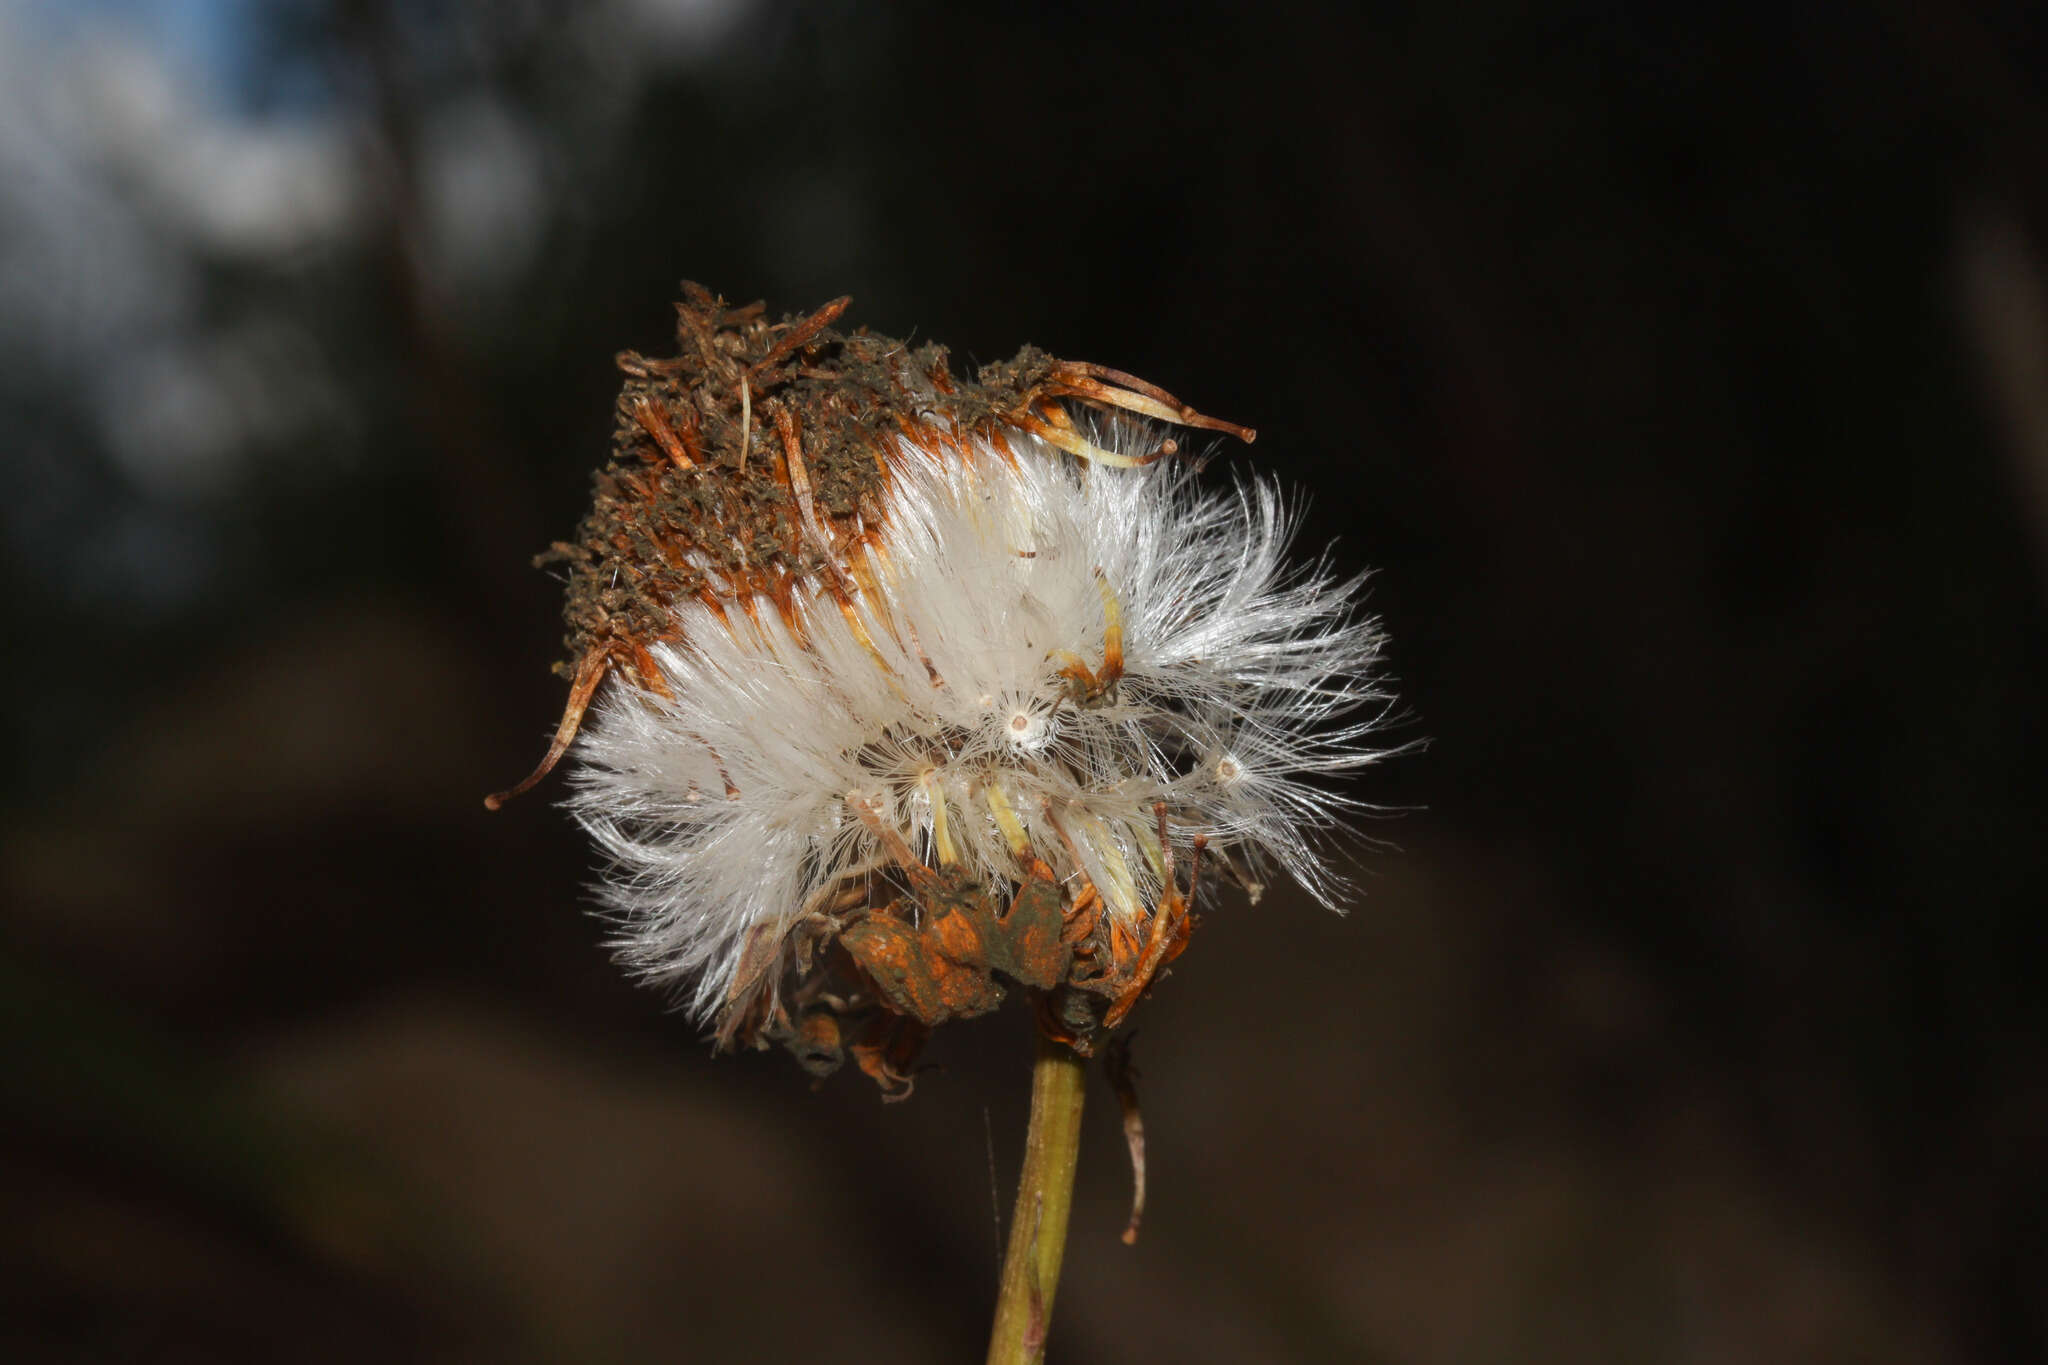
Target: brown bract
<point>898,965</point>
<point>750,473</point>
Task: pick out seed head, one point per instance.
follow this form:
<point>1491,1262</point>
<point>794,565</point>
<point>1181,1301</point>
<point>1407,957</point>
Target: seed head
<point>924,688</point>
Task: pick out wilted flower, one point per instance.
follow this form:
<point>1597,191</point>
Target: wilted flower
<point>924,685</point>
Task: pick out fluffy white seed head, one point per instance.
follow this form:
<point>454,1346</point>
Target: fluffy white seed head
<point>949,698</point>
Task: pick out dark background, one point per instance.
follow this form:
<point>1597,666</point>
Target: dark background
<point>1683,374</point>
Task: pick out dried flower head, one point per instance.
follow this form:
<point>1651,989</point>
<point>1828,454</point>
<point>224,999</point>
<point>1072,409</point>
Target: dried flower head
<point>923,686</point>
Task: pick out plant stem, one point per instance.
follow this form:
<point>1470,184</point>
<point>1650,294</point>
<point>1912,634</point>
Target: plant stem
<point>1045,1194</point>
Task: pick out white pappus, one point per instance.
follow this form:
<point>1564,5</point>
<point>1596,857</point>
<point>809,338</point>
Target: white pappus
<point>962,696</point>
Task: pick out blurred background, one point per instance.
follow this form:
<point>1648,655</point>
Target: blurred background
<point>1683,375</point>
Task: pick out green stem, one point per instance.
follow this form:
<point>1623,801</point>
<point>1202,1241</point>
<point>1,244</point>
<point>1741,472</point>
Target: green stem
<point>1045,1194</point>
